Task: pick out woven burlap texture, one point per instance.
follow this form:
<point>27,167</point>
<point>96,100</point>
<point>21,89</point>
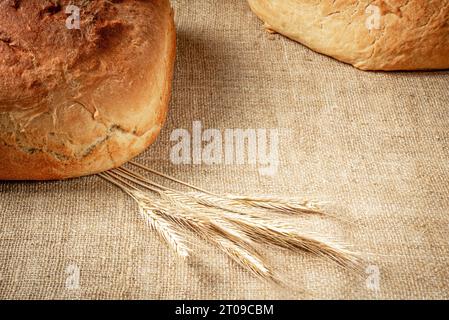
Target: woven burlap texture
<point>373,146</point>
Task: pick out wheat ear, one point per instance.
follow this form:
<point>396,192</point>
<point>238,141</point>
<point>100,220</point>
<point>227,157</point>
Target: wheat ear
<point>271,231</point>
<point>241,203</point>
<point>227,238</point>
<point>232,223</point>
<point>165,211</point>
<point>256,228</point>
<point>151,214</point>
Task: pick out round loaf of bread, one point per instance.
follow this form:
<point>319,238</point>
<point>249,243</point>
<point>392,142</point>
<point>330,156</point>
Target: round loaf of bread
<point>84,85</point>
<point>369,34</point>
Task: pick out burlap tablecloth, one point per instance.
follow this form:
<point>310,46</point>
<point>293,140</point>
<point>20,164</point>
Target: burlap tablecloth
<point>374,146</point>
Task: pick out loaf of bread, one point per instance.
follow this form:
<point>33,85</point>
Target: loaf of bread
<point>369,34</point>
<point>84,85</point>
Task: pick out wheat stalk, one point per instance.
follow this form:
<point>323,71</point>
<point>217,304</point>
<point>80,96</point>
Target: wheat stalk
<point>232,202</point>
<point>170,214</point>
<point>281,205</point>
<point>152,215</point>
<point>226,237</point>
<point>279,234</point>
<point>166,228</point>
<point>270,231</point>
<point>235,224</point>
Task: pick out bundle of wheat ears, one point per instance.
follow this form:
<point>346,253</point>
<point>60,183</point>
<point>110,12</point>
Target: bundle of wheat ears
<point>235,224</point>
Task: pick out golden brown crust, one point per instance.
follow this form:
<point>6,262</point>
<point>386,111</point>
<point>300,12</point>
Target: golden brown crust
<point>77,102</point>
<point>410,34</point>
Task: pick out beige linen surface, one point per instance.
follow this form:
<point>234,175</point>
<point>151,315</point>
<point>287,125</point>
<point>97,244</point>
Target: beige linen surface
<point>374,146</point>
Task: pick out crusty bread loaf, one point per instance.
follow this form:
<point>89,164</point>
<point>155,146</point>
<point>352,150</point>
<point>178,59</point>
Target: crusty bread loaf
<point>75,102</point>
<point>369,34</point>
